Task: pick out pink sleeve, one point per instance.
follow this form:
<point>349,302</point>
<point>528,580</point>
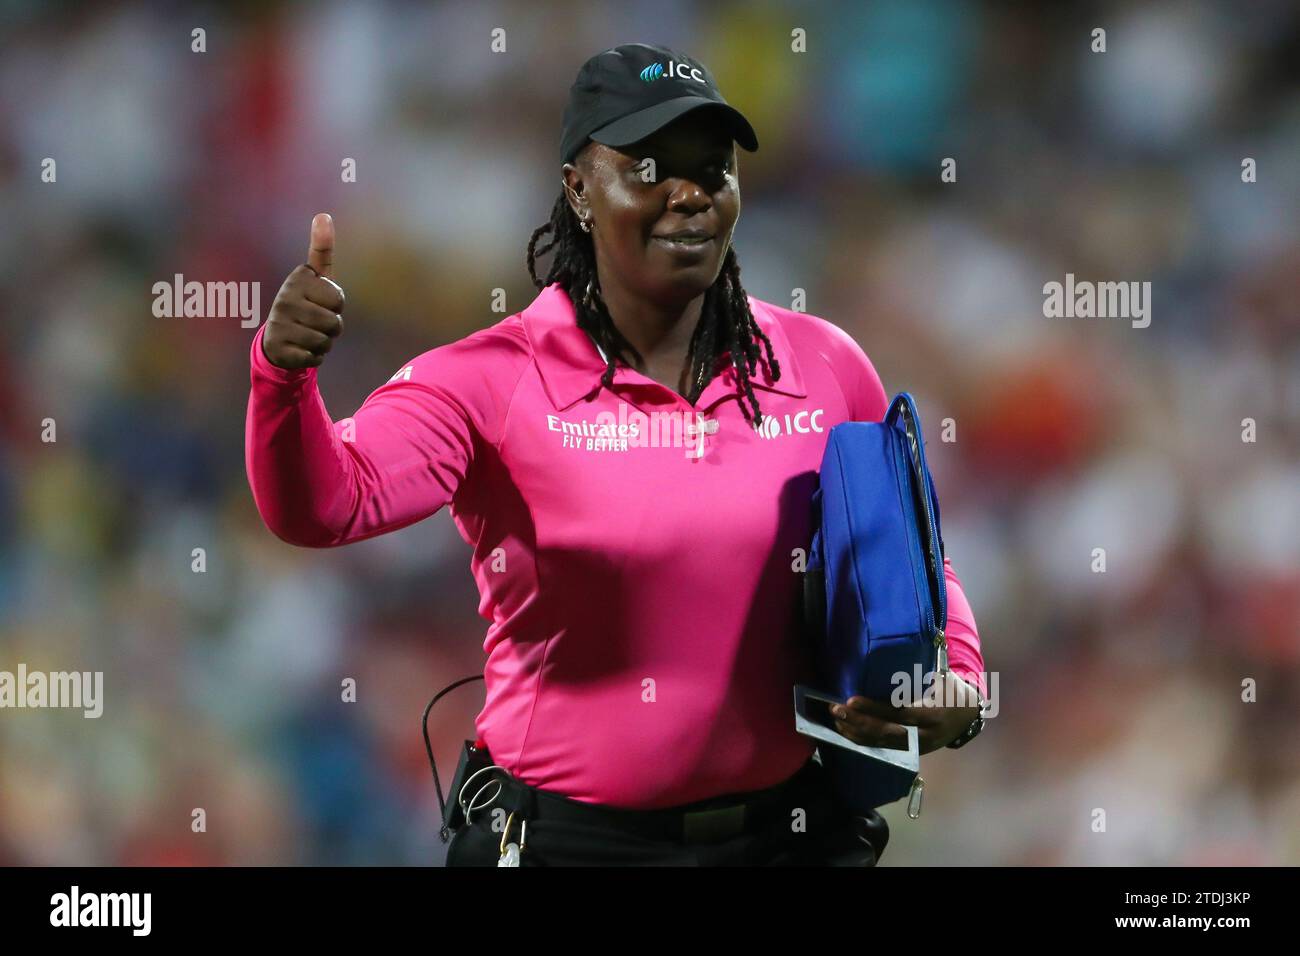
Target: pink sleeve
<point>401,457</point>
<point>965,659</point>
<point>868,402</point>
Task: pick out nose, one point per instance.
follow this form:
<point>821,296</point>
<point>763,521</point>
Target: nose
<point>688,198</point>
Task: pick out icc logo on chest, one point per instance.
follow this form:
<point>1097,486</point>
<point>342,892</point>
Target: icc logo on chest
<point>800,423</point>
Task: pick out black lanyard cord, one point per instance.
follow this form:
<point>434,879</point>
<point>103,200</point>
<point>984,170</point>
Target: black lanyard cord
<point>428,747</point>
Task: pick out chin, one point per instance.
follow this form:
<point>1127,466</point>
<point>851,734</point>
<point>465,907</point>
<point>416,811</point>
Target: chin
<point>686,282</point>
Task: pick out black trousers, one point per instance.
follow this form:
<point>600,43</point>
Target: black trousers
<point>820,835</point>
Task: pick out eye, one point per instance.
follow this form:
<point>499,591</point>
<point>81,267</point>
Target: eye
<point>640,170</point>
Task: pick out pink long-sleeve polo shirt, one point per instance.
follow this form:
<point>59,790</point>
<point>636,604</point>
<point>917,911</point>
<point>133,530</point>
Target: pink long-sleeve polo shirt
<point>635,555</point>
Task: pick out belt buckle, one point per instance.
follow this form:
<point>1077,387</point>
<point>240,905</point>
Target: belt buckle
<point>711,826</point>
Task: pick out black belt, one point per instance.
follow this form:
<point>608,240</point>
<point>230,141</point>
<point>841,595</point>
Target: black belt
<point>705,821</point>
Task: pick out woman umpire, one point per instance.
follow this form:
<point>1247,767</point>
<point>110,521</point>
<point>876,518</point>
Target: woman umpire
<point>631,459</point>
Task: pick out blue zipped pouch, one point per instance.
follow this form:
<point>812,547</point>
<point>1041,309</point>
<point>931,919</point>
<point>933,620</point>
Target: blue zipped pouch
<point>875,595</point>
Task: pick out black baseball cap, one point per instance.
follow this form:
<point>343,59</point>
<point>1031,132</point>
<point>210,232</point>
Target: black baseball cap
<point>628,92</point>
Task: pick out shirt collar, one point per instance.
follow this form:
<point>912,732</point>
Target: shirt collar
<point>571,365</point>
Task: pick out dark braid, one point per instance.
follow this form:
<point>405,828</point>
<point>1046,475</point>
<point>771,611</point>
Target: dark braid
<point>726,325</point>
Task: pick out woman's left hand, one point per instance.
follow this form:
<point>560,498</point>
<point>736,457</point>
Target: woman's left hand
<point>876,723</point>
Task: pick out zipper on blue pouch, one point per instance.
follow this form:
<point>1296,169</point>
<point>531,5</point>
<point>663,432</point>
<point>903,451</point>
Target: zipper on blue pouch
<point>933,563</point>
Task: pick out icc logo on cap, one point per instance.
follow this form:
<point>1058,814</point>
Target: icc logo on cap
<point>676,70</point>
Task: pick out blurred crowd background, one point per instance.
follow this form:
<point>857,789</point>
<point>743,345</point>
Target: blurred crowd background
<point>1120,691</point>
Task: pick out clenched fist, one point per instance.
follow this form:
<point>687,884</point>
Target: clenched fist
<point>307,314</point>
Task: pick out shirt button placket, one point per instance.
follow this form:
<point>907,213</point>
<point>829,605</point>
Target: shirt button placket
<point>703,427</point>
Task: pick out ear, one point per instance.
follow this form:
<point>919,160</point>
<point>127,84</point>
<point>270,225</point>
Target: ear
<point>575,191</point>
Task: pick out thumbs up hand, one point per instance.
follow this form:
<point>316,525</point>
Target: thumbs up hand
<point>307,314</point>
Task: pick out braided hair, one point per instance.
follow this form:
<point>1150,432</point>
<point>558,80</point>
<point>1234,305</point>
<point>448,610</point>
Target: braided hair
<point>726,325</point>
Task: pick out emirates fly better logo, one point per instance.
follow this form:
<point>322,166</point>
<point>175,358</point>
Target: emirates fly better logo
<point>800,423</point>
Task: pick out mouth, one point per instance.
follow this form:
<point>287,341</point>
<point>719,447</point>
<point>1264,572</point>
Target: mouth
<point>685,240</point>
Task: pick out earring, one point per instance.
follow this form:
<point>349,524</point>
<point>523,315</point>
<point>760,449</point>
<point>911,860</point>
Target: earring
<point>584,225</point>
